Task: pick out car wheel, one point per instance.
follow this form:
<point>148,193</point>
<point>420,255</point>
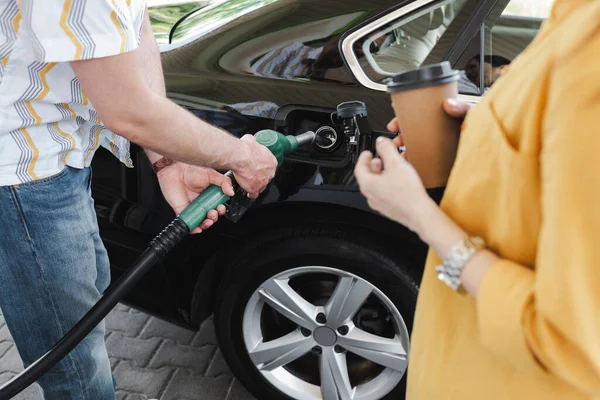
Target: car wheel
<point>317,314</point>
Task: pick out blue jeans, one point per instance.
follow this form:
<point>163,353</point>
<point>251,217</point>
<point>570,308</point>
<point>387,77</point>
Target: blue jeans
<point>53,268</point>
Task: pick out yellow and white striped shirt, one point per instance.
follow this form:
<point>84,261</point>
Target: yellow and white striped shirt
<point>46,120</point>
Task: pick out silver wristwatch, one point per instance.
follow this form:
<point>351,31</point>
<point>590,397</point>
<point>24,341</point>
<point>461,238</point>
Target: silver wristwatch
<point>454,262</point>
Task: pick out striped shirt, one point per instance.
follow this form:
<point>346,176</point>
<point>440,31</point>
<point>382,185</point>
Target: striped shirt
<point>46,120</point>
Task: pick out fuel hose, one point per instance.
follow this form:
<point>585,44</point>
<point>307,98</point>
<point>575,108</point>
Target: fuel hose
<point>162,244</point>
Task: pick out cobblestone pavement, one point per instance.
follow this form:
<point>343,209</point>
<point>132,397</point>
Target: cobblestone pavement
<point>150,359</point>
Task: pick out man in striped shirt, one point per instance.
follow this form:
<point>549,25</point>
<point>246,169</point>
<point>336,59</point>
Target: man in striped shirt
<point>76,75</point>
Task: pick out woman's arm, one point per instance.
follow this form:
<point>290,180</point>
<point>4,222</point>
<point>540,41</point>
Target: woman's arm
<point>550,316</point>
<point>440,232</point>
<point>398,194</point>
<point>545,318</point>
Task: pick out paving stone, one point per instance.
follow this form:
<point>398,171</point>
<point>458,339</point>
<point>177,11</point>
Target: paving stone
<point>133,379</point>
<point>163,329</point>
<point>136,397</point>
<point>206,334</point>
<point>150,359</point>
<point>122,308</point>
<point>238,392</point>
<point>4,346</point>
<point>11,361</point>
<point>134,349</point>
<point>185,386</point>
<point>4,333</point>
<point>218,366</point>
<point>114,362</point>
<point>176,355</point>
<point>130,324</point>
<point>31,393</point>
<point>122,395</point>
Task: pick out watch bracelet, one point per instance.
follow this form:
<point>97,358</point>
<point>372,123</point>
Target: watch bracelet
<point>455,260</point>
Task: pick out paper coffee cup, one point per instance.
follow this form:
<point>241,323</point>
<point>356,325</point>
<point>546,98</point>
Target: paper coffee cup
<point>429,134</point>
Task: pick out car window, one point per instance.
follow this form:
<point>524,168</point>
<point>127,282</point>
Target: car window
<point>507,31</point>
<point>407,42</point>
<point>529,8</point>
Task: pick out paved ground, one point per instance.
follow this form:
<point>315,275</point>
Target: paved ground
<point>151,359</point>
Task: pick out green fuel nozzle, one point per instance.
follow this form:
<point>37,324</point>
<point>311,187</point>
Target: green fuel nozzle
<point>278,143</point>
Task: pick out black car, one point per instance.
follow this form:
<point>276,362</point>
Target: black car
<point>312,292</point>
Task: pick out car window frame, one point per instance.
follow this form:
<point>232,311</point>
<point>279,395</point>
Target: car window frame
<point>466,33</point>
<point>473,28</point>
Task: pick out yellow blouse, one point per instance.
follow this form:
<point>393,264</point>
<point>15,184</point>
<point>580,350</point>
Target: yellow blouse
<point>527,180</point>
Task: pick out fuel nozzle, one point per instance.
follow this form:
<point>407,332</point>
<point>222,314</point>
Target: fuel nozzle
<point>280,144</point>
<point>305,138</point>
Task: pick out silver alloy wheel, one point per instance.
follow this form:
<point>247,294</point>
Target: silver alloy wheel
<point>325,337</point>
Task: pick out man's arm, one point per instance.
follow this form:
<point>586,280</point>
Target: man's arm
<point>107,63</point>
<point>180,183</point>
<point>149,55</point>
<point>130,106</point>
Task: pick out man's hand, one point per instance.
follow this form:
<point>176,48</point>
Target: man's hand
<point>182,183</point>
<point>256,168</point>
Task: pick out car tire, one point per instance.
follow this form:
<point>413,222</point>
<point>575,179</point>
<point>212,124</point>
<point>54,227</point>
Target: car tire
<point>310,255</point>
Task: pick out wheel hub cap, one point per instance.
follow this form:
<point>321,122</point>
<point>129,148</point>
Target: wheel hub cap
<point>288,360</point>
<point>325,336</point>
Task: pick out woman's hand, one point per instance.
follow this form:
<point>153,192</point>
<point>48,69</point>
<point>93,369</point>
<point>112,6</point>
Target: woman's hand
<point>398,192</point>
<point>392,186</point>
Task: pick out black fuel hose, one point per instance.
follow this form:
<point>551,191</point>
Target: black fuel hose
<point>157,249</point>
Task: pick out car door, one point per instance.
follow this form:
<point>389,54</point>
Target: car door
<point>216,65</point>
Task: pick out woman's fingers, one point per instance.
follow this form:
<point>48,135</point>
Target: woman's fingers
<point>393,126</point>
<point>363,162</point>
<point>398,141</point>
<point>376,165</point>
<point>456,108</point>
<point>362,169</point>
<point>387,151</point>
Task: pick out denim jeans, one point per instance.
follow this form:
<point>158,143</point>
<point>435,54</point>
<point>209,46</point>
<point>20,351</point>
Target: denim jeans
<point>53,268</point>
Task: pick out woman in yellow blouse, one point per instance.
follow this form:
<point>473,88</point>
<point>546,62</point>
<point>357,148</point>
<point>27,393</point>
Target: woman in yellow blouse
<point>527,181</point>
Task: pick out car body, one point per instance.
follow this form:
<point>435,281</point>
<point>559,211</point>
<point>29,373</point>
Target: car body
<point>221,63</point>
